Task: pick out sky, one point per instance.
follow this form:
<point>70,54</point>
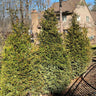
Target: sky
<point>90,1</point>
<point>87,1</point>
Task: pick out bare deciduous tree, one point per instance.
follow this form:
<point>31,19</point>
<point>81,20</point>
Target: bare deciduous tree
<point>11,9</point>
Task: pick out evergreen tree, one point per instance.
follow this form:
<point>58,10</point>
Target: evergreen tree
<point>19,73</point>
<point>49,33</point>
<point>54,57</point>
<point>78,45</point>
<point>1,46</point>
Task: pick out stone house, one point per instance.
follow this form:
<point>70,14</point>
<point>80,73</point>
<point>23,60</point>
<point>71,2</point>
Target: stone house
<point>35,25</point>
<point>93,13</point>
<point>84,17</point>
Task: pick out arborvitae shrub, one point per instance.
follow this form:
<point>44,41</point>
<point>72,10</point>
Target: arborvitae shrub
<point>19,73</point>
<point>78,45</point>
<point>54,57</point>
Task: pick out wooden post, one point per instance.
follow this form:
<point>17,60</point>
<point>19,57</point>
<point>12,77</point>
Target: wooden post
<point>61,25</point>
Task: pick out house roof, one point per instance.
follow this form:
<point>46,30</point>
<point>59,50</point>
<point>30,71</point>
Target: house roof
<point>68,5</point>
<point>93,13</point>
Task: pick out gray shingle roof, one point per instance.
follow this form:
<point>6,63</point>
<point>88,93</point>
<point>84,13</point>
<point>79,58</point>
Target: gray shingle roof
<point>68,5</point>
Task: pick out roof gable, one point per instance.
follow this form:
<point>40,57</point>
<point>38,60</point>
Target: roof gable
<point>68,5</point>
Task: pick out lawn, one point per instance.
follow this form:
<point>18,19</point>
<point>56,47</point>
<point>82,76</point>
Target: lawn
<point>93,47</point>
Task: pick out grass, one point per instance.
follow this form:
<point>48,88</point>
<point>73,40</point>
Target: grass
<point>93,47</point>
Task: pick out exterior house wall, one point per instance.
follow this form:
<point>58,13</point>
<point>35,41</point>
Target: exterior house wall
<point>66,24</point>
<point>35,22</point>
<point>36,17</point>
<point>80,10</point>
<point>83,11</point>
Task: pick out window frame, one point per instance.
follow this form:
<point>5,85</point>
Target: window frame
<point>78,18</point>
<point>87,19</point>
<point>64,18</point>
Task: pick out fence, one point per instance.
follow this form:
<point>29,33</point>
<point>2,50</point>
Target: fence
<point>85,85</point>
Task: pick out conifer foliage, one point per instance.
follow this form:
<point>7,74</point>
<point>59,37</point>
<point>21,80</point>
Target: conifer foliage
<point>19,75</point>
<point>15,64</point>
<point>78,45</point>
<point>49,33</point>
<point>54,57</point>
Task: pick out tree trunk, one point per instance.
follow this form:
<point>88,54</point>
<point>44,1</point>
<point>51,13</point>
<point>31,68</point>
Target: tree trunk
<point>27,13</point>
<point>21,11</point>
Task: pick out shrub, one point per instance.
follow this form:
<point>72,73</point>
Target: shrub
<point>78,45</point>
<point>19,73</point>
<point>54,57</point>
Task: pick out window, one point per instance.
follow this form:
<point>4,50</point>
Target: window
<point>29,31</point>
<point>78,18</point>
<point>87,18</point>
<point>64,18</point>
<point>91,37</point>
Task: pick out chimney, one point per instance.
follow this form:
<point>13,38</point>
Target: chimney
<point>34,11</point>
